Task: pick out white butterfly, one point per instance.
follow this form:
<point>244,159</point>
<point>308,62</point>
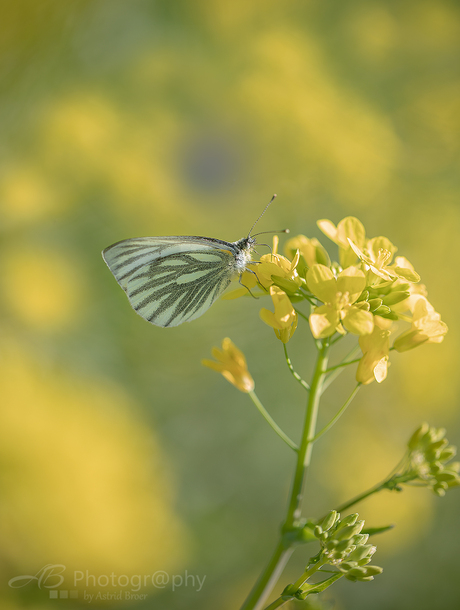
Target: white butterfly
<point>175,279</point>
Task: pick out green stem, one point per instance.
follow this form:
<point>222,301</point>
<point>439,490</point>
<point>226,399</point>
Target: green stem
<point>270,575</point>
<point>361,497</point>
<point>306,446</point>
<point>296,376</point>
<point>271,421</point>
<point>278,603</point>
<point>389,483</point>
<point>339,413</point>
<point>268,578</point>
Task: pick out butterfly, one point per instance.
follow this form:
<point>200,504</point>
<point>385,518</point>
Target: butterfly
<point>176,279</point>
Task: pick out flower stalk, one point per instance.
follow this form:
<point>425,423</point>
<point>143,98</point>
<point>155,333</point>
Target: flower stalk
<point>363,293</point>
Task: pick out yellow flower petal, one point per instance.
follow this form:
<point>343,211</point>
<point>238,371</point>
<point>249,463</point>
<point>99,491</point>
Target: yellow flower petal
<point>324,322</point>
<point>231,363</point>
<point>358,321</point>
<point>427,327</point>
<point>322,283</point>
<point>352,281</point>
<point>374,363</point>
<point>284,318</point>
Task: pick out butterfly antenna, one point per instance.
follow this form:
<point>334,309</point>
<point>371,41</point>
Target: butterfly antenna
<point>265,209</point>
<point>265,232</point>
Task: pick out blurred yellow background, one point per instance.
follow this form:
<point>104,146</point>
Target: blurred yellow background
<point>118,451</point>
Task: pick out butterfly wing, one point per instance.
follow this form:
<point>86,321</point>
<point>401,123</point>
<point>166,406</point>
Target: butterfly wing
<point>170,280</point>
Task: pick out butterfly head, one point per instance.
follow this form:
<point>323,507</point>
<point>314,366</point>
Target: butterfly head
<point>244,248</point>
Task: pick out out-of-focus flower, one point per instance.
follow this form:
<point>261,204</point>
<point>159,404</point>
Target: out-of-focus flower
<point>427,326</point>
<point>429,459</point>
<point>376,348</point>
<point>284,319</point>
<point>232,364</point>
<point>348,228</point>
<point>339,296</point>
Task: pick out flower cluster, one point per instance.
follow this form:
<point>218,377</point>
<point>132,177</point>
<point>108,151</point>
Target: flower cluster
<point>345,547</point>
<point>429,459</point>
<point>367,292</point>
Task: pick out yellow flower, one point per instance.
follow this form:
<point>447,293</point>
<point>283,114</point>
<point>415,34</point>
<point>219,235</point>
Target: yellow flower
<point>338,295</point>
<point>275,268</point>
<point>376,348</point>
<point>232,364</point>
<point>284,319</point>
<point>348,228</point>
<point>311,250</point>
<point>427,326</point>
<point>377,257</point>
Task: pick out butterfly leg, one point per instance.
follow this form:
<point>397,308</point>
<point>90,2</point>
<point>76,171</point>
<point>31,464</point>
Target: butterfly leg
<point>250,271</point>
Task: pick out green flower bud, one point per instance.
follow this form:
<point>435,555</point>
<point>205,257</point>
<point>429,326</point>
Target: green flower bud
<point>343,545</point>
<point>396,297</point>
<point>448,453</point>
<point>348,565</point>
<point>359,539</point>
<point>436,434</point>
<point>415,439</point>
<point>440,489</point>
<point>363,574</point>
<point>318,531</point>
<point>365,550</point>
<point>373,570</point>
<point>438,445</point>
<point>375,304</point>
<point>356,572</point>
<point>446,476</point>
<point>364,296</point>
<point>383,310</point>
<point>329,520</point>
<point>347,532</point>
<point>348,520</point>
<point>436,467</point>
<point>363,305</point>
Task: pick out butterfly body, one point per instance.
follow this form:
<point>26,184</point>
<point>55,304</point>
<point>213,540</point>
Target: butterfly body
<point>175,279</point>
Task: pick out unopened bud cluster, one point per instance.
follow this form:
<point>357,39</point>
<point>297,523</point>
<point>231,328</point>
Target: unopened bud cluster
<point>381,298</point>
<point>429,454</point>
<point>344,547</point>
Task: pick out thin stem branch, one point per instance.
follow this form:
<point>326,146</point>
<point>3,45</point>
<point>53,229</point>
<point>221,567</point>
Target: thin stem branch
<point>332,376</point>
<point>362,496</point>
<point>338,366</point>
<point>296,376</point>
<point>302,315</point>
<point>339,413</point>
<point>269,419</point>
